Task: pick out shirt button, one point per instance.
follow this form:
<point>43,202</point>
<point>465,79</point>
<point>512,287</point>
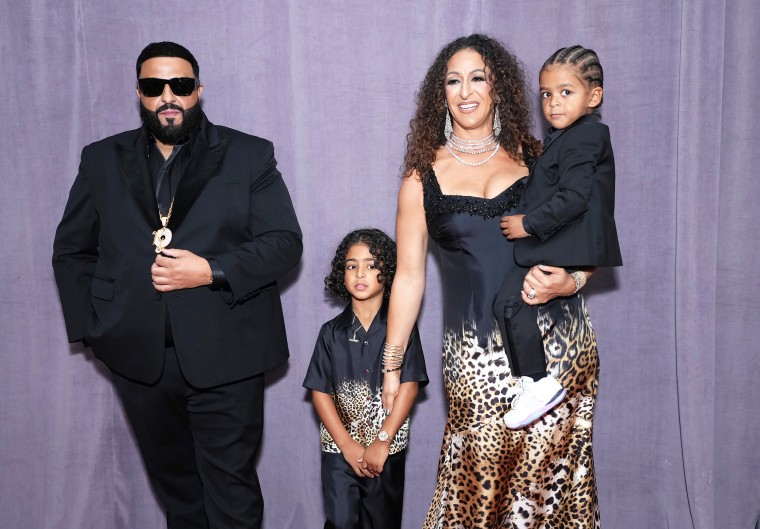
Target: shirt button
<point>366,342</point>
<point>366,371</point>
<point>157,296</point>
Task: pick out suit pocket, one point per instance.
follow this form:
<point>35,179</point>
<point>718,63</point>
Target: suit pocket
<point>256,293</point>
<point>102,288</point>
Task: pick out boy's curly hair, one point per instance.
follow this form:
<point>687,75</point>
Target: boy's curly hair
<point>382,248</point>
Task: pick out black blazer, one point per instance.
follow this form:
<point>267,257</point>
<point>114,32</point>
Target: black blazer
<point>569,200</point>
<point>231,204</point>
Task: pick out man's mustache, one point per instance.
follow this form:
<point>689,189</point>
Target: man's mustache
<point>170,106</point>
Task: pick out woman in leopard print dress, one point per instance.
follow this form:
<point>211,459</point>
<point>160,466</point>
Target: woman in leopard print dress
<point>459,181</point>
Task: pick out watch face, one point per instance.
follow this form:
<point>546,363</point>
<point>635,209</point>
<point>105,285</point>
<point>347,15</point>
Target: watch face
<point>383,436</point>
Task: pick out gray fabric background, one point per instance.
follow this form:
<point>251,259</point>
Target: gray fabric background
<point>331,83</point>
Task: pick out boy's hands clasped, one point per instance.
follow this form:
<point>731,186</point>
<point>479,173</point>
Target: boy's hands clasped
<point>353,453</point>
<point>366,462</point>
<point>375,456</point>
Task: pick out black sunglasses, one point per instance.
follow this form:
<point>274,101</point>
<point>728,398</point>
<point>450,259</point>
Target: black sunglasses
<point>181,86</point>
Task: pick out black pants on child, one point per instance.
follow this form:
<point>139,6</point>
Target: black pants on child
<point>353,502</point>
<point>518,323</point>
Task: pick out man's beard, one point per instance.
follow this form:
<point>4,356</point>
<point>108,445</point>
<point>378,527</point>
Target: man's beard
<point>170,133</point>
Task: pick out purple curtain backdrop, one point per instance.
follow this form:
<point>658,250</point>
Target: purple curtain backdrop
<point>332,85</point>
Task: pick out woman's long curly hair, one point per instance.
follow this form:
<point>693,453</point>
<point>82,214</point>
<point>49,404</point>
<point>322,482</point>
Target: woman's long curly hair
<point>382,248</point>
<point>509,91</point>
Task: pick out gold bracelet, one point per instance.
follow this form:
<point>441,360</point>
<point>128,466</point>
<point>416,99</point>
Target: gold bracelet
<point>393,357</point>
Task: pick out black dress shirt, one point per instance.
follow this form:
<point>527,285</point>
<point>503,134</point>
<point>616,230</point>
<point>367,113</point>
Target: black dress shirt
<point>347,364</point>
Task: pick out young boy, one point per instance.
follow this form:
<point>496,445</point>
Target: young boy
<point>363,450</point>
<point>568,219</point>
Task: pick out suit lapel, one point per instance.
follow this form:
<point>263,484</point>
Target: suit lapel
<point>133,164</point>
<point>557,133</point>
<point>205,158</point>
<point>553,139</point>
<point>548,142</point>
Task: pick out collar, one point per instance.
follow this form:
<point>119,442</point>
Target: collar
<point>347,316</point>
<point>206,156</point>
<point>555,133</point>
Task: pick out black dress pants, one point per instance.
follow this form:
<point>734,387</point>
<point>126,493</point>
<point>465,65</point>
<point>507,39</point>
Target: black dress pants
<point>353,502</point>
<point>518,324</point>
<point>199,446</point>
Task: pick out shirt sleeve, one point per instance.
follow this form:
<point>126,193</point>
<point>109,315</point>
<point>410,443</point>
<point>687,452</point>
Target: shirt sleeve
<point>319,374</point>
<point>218,279</point>
<point>413,366</point>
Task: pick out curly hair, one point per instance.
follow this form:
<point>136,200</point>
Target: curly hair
<point>382,248</point>
<point>506,77</point>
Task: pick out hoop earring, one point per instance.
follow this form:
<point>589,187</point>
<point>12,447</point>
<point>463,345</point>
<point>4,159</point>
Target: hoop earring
<point>496,122</point>
<point>448,130</point>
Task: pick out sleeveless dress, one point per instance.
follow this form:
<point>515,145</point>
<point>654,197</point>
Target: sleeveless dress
<point>488,475</point>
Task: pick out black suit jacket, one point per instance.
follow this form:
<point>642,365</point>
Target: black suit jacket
<point>569,201</point>
<point>231,204</point>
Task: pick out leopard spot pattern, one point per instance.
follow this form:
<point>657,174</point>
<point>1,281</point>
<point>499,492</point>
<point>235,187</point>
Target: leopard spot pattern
<point>540,477</point>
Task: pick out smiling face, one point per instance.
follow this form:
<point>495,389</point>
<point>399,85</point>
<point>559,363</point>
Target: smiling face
<point>362,276</point>
<point>167,112</point>
<point>468,95</point>
<point>565,97</point>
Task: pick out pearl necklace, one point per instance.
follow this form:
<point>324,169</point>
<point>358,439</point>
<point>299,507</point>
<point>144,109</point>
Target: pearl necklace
<point>479,146</point>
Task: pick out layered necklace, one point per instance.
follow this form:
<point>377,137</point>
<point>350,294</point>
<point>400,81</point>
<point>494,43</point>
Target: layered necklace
<point>480,146</point>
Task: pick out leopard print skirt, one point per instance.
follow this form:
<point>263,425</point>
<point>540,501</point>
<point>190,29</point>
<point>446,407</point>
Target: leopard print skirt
<point>540,477</point>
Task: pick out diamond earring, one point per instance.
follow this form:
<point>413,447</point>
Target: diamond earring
<point>496,122</point>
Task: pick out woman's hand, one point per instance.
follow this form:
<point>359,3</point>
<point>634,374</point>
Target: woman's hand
<point>391,385</point>
<point>544,283</point>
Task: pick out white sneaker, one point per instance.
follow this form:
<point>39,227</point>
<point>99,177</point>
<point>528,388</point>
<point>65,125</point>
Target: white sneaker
<point>535,399</point>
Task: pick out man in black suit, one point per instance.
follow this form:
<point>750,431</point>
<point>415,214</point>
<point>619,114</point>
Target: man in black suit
<point>167,259</point>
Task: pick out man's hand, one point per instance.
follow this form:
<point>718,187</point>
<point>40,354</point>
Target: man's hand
<point>179,269</point>
<point>512,227</point>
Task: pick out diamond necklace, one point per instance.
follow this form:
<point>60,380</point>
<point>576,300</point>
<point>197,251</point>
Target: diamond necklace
<point>479,146</point>
<point>472,146</point>
<point>471,164</point>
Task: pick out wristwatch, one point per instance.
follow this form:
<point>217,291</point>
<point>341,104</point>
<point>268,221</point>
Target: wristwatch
<point>383,436</point>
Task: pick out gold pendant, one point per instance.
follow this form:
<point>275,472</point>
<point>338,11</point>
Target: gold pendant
<point>161,238</point>
<point>163,235</point>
